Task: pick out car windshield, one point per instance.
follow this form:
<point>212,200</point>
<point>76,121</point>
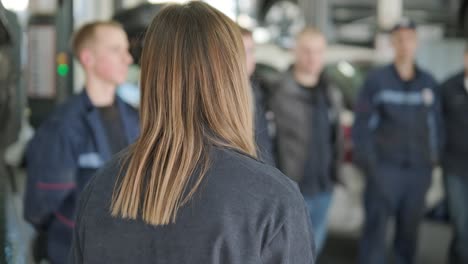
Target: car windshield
<point>349,77</point>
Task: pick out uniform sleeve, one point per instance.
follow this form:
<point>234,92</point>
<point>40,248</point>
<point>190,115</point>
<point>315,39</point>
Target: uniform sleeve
<point>338,135</point>
<point>366,120</point>
<point>293,242</point>
<point>51,172</point>
<point>443,96</point>
<point>76,251</point>
<point>444,103</point>
<point>438,134</point>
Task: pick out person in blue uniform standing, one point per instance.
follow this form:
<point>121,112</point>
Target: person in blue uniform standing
<point>397,138</point>
<point>79,136</point>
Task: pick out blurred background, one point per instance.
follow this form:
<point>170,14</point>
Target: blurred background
<point>38,72</point>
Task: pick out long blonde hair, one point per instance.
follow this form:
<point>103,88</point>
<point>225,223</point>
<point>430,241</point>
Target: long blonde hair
<point>195,94</point>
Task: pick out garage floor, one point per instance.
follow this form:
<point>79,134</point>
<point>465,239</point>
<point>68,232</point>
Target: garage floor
<point>434,242</point>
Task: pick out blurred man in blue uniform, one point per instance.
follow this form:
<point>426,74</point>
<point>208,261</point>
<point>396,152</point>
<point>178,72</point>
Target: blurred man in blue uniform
<point>454,93</point>
<point>80,136</point>
<point>397,137</point>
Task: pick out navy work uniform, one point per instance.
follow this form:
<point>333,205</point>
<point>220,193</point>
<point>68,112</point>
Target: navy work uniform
<point>397,137</point>
<point>65,152</point>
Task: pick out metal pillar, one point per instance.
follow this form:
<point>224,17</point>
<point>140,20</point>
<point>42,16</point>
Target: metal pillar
<point>41,77</point>
<point>118,5</point>
<point>317,14</point>
<point>388,13</point>
<point>58,19</point>
<point>64,27</point>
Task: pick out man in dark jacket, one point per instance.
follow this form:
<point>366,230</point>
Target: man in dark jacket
<point>262,132</point>
<point>397,138</point>
<point>309,138</point>
<point>79,137</point>
<point>454,93</point>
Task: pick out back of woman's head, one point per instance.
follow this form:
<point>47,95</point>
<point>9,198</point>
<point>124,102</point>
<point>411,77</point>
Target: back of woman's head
<point>194,95</point>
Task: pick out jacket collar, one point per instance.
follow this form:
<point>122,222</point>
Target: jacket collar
<point>417,72</point>
<point>129,122</point>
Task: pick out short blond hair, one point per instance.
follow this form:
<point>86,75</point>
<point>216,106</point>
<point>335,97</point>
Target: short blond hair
<point>87,32</point>
<point>310,31</point>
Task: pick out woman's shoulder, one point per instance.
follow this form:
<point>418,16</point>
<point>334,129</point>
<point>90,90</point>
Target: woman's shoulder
<point>237,169</point>
<point>232,174</point>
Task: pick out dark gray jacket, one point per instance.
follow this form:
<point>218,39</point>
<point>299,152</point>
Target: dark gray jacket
<point>243,212</point>
<point>291,106</point>
<point>454,97</point>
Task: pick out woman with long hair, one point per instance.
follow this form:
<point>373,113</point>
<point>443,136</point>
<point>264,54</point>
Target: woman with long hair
<point>190,189</point>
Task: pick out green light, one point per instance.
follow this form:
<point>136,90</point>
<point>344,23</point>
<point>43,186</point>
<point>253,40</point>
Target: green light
<point>62,69</point>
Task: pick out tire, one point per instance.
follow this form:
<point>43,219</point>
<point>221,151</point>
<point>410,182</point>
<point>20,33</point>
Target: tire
<point>283,19</point>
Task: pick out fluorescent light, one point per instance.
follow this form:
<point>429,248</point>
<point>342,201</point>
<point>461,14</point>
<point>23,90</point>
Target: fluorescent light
<point>16,5</point>
<point>167,1</point>
<point>346,69</point>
